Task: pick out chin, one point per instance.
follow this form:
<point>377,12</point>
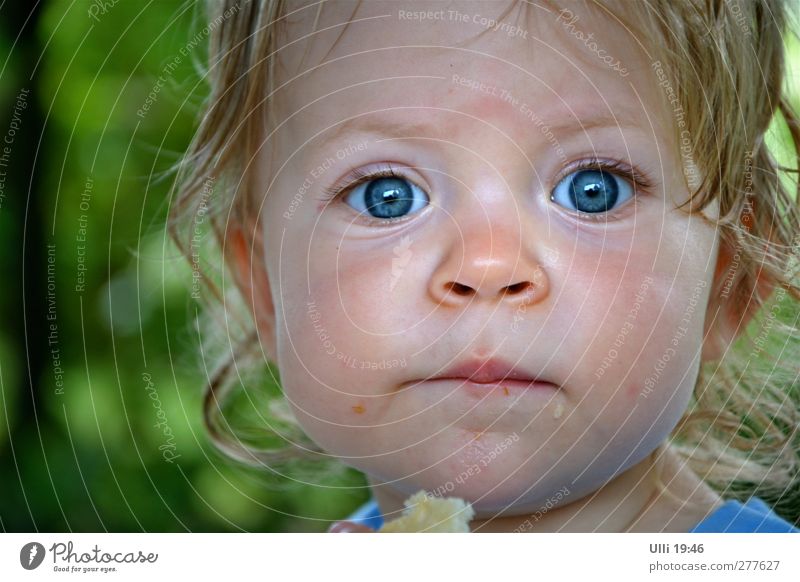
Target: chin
<point>486,493</point>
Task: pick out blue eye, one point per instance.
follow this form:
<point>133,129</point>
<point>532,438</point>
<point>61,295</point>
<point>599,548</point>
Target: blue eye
<point>592,191</point>
<point>387,197</point>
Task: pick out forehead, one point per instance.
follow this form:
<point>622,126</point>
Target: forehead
<point>480,58</point>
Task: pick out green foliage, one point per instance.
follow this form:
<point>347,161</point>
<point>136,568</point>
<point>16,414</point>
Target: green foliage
<point>122,446</point>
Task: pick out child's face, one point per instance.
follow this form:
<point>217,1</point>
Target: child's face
<point>478,261</point>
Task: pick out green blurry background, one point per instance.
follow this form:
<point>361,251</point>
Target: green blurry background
<point>88,459</point>
<point>85,456</point>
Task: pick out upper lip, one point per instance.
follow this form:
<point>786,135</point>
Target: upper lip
<point>486,372</point>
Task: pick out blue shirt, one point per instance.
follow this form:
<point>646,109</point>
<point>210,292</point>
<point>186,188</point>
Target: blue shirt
<point>753,516</point>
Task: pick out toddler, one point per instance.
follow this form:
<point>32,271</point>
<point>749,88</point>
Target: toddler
<point>536,256</point>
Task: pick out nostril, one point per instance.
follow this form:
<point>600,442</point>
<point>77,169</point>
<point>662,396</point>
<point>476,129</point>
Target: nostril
<point>516,288</point>
<point>458,288</point>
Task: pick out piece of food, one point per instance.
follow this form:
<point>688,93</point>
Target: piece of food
<point>424,513</point>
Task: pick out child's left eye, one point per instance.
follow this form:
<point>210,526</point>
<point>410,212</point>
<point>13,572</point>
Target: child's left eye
<point>592,191</point>
<point>387,197</point>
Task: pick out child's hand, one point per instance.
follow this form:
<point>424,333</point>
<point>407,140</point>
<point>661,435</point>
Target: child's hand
<point>349,527</point>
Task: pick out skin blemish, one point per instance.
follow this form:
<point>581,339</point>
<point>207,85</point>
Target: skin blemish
<point>358,409</point>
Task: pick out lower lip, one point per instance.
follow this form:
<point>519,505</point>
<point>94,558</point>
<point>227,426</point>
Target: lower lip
<point>500,388</point>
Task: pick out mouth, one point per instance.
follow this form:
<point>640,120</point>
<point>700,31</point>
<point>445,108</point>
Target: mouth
<point>489,373</point>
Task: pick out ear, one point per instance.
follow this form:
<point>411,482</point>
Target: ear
<point>246,254</point>
<point>730,310</point>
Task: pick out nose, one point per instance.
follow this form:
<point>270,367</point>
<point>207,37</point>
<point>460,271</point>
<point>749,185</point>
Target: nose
<point>490,264</point>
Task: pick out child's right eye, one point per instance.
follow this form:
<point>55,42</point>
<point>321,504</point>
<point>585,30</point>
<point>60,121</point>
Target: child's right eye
<point>385,195</point>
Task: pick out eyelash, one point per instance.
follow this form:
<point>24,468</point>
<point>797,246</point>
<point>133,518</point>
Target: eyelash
<point>636,177</point>
<point>355,179</point>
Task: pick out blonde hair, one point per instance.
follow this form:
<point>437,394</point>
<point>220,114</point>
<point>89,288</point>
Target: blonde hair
<point>725,63</point>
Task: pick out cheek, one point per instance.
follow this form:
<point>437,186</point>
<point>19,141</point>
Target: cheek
<point>638,323</point>
<point>370,287</point>
<point>336,350</point>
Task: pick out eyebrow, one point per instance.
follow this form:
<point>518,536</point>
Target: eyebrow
<point>382,128</point>
<point>394,129</point>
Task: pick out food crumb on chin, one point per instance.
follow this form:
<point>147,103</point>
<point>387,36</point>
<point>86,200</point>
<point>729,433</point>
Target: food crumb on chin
<point>505,390</point>
<point>559,410</point>
<point>358,409</point>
